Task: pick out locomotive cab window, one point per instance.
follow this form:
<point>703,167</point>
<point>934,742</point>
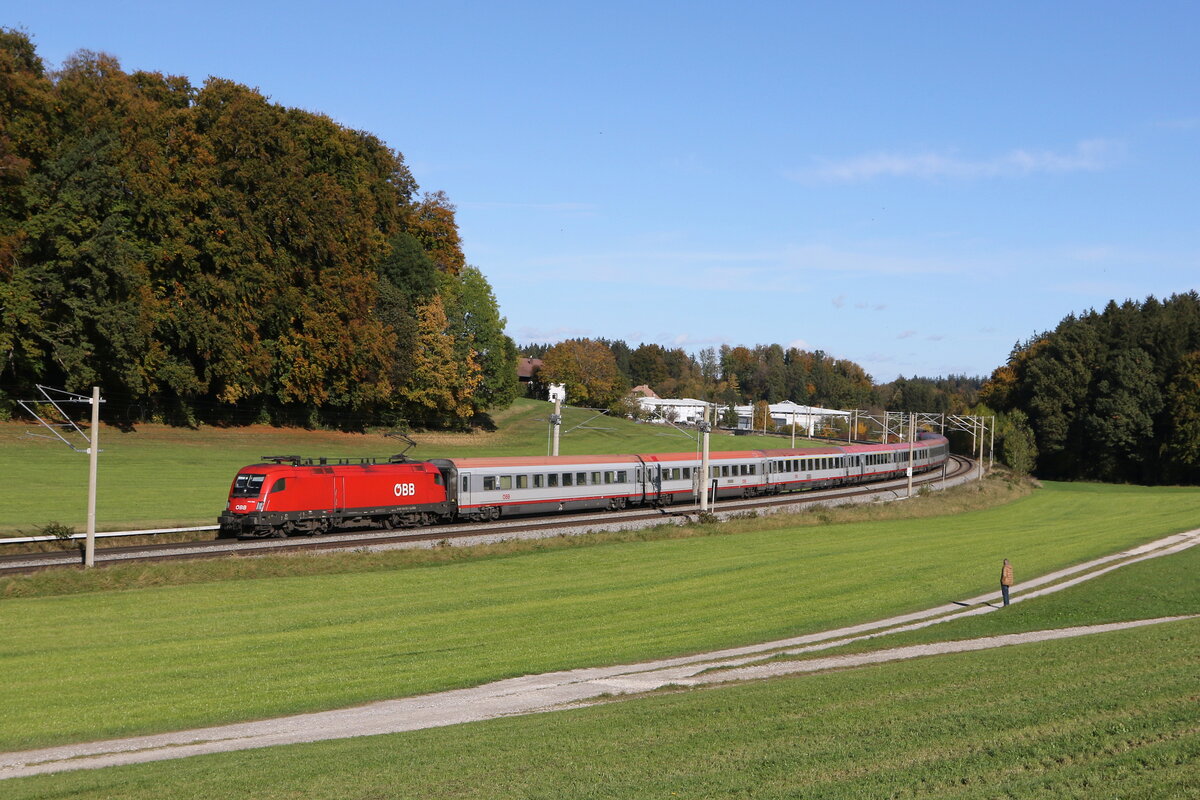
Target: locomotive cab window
<point>279,485</point>
<point>248,485</point>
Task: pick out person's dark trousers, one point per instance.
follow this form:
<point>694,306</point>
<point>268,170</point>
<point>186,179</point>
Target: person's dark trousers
<point>1004,590</point>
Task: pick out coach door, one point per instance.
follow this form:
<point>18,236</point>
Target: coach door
<point>654,481</point>
<point>464,489</point>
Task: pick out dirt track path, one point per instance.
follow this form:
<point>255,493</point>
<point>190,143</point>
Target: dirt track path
<point>557,690</point>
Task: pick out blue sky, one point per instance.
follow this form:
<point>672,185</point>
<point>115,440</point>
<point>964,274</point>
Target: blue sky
<point>914,186</point>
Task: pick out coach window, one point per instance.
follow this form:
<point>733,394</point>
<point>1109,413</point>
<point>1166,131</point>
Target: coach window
<point>622,476</point>
<point>522,481</point>
<point>725,471</point>
<point>754,469</point>
<point>567,478</point>
<point>609,476</point>
<point>581,478</point>
<point>687,473</point>
<point>552,479</point>
<point>489,483</point>
<point>505,482</point>
<point>466,483</point>
<point>538,481</point>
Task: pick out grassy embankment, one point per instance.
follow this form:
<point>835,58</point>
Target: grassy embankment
<point>1105,716</point>
<point>157,476</point>
<point>110,663</point>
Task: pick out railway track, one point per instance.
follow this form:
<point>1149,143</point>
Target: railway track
<point>477,533</point>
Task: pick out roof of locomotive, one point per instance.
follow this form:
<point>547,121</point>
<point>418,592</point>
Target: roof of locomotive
<point>336,465</point>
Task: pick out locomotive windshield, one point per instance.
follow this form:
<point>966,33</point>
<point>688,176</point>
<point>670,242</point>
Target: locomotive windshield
<point>248,485</point>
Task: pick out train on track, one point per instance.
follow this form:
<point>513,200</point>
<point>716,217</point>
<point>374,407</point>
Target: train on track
<point>289,495</point>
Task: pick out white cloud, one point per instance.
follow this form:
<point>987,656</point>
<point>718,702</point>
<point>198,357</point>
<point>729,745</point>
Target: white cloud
<point>546,335</point>
<point>906,334</point>
<point>1088,156</point>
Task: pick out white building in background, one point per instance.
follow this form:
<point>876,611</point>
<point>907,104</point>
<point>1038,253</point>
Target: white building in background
<point>807,418</point>
<point>685,411</point>
<point>688,411</point>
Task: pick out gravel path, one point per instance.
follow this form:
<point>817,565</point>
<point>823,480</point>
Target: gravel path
<point>573,688</point>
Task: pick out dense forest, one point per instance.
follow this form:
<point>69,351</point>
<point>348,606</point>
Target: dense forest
<point>204,254</point>
<point>1111,395</point>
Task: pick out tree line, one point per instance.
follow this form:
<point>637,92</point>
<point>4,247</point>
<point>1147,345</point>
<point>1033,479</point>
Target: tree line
<point>201,252</point>
<point>600,373</point>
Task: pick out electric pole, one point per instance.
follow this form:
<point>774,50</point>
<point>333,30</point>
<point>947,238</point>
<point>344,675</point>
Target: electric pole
<point>705,427</point>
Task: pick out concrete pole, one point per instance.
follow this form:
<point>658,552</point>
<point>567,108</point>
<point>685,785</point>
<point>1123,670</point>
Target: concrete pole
<point>793,429</point>
<point>89,553</point>
<point>992,447</point>
<point>980,456</point>
<point>556,424</point>
<point>705,427</point>
<point>912,438</point>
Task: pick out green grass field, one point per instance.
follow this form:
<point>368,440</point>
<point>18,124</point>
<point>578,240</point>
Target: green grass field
<point>111,663</point>
<point>157,476</point>
<point>1106,716</point>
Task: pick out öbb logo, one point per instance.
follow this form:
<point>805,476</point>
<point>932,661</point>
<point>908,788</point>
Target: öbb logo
<point>404,489</point>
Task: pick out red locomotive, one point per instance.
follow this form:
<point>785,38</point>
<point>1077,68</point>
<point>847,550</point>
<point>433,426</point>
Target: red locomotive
<point>290,495</point>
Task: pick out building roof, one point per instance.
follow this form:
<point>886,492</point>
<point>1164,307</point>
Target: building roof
<point>644,391</point>
<point>526,367</point>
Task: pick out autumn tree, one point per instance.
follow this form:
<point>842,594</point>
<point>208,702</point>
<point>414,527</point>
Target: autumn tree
<point>587,369</point>
<point>442,383</point>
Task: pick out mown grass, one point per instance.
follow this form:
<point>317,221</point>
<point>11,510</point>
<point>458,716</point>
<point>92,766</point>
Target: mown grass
<point>123,662</point>
<point>1100,717</point>
<point>158,476</point>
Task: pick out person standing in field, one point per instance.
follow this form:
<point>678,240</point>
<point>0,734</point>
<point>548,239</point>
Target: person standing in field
<point>1006,579</point>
